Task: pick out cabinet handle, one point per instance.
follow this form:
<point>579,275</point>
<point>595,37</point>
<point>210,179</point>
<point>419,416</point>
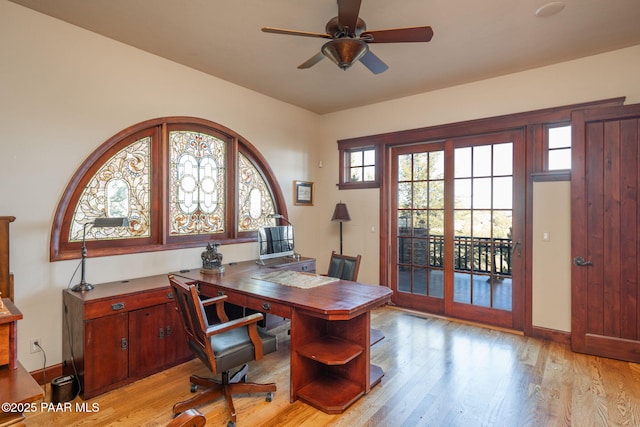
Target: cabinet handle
<point>220,293</point>
<point>266,306</point>
<point>117,306</point>
<point>161,333</point>
<point>168,331</point>
<point>123,344</point>
<point>170,295</point>
<point>304,268</point>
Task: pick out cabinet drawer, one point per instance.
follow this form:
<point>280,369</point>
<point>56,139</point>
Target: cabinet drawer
<point>269,307</point>
<point>126,303</point>
<point>232,298</point>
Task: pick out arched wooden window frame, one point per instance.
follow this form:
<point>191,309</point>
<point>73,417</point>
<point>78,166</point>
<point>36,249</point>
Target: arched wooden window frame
<point>159,240</point>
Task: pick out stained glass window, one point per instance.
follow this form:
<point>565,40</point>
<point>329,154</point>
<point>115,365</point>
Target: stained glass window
<point>255,202</point>
<point>197,183</point>
<point>180,181</point>
<point>120,188</point>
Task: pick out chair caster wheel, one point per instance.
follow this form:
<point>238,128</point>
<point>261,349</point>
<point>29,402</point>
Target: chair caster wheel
<point>231,424</point>
<point>269,397</point>
<point>194,388</point>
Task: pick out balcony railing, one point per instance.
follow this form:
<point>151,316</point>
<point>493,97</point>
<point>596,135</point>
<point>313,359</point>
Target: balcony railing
<point>474,254</point>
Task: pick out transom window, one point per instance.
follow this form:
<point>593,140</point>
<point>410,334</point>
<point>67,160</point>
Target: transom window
<point>558,147</point>
<point>179,181</point>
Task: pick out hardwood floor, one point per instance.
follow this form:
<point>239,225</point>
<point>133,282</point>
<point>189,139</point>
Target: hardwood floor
<point>437,373</point>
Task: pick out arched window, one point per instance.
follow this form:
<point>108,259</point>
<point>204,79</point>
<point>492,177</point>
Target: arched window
<point>180,181</point>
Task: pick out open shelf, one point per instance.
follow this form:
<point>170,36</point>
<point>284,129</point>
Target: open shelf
<point>376,336</point>
<point>330,394</point>
<point>331,350</point>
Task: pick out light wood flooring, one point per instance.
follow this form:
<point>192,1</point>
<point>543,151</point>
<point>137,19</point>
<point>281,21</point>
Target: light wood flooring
<point>437,373</point>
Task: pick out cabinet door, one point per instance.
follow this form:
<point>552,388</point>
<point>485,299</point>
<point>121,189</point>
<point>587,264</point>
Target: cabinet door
<point>106,352</point>
<point>176,347</point>
<point>147,338</point>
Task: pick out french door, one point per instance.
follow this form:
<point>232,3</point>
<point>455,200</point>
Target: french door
<point>457,228</point>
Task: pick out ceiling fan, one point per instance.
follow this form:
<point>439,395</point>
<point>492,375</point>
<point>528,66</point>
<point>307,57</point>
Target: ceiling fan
<point>349,39</point>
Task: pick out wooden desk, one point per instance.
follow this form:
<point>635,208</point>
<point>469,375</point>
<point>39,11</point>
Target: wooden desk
<point>330,330</point>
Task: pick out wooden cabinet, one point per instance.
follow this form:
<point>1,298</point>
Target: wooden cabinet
<point>6,278</point>
<point>120,332</point>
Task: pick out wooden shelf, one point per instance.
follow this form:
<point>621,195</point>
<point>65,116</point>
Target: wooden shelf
<point>375,375</point>
<point>330,394</point>
<point>331,351</point>
<point>376,336</point>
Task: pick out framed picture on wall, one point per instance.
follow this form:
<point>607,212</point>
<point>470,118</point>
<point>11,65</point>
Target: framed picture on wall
<point>303,193</point>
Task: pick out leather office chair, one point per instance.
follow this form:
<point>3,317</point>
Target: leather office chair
<point>221,347</point>
<point>344,267</point>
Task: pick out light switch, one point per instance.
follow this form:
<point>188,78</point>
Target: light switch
<point>546,236</point>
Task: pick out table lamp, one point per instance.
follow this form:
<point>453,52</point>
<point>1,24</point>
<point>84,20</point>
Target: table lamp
<point>341,213</point>
<point>83,286</point>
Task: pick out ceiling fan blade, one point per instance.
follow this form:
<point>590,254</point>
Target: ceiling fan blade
<point>399,35</point>
<point>295,33</point>
<point>311,61</point>
<point>348,11</point>
<point>373,63</point>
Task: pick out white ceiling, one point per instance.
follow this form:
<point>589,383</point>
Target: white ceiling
<point>473,40</point>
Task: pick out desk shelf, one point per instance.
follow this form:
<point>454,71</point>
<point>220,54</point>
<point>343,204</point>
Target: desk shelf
<point>331,394</point>
<point>331,350</point>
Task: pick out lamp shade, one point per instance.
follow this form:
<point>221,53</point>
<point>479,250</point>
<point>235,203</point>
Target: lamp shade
<point>341,213</point>
<point>345,52</point>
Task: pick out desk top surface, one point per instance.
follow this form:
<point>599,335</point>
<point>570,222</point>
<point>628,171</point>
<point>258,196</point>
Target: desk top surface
<point>341,298</point>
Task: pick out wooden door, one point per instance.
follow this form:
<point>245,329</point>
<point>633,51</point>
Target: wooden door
<point>605,186</point>
<point>106,353</point>
<point>147,336</point>
<point>176,347</point>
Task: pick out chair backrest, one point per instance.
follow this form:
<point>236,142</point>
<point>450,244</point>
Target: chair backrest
<point>344,267</point>
<point>193,317</point>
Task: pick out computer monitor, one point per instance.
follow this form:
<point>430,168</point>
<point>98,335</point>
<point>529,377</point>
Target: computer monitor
<point>276,241</point>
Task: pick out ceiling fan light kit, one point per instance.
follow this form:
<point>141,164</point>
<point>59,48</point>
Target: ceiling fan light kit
<point>345,52</point>
<point>349,39</point>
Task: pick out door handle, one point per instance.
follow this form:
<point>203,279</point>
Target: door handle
<point>581,262</point>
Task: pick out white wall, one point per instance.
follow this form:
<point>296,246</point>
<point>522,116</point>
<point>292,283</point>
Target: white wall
<point>603,76</point>
<point>64,91</point>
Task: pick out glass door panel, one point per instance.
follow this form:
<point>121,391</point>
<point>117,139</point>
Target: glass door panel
<point>420,224</point>
<point>453,222</point>
<point>483,203</point>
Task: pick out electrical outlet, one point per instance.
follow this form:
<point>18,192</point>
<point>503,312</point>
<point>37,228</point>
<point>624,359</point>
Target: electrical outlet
<point>33,347</point>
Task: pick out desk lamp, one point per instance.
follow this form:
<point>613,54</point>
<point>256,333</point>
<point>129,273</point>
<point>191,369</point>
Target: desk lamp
<point>341,213</point>
<point>83,286</point>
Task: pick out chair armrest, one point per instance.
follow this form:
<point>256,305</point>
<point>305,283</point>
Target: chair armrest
<point>232,324</point>
<point>219,302</point>
<point>251,322</point>
<point>213,300</point>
